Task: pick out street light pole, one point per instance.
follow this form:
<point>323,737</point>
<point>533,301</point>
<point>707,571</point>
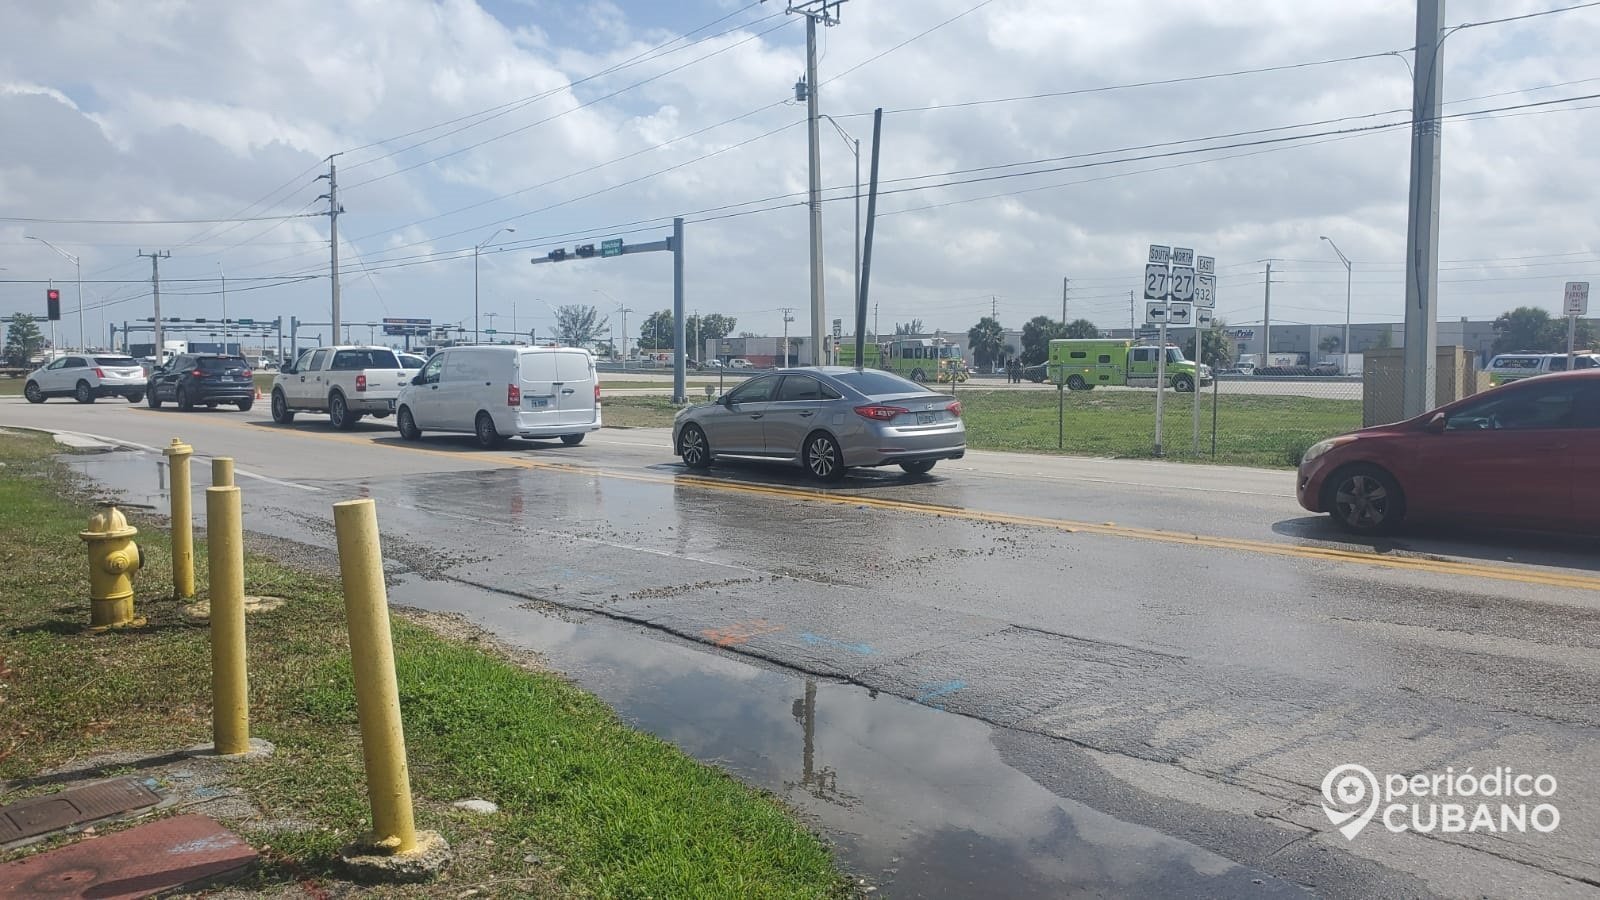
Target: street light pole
<point>77,263</point>
<point>854,145</point>
<point>476,337</point>
<point>1345,347</point>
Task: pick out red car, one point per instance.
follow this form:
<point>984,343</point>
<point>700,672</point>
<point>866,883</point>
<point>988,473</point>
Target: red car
<point>1523,455</point>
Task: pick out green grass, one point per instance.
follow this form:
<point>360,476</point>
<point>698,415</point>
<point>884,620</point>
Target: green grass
<point>12,387</point>
<point>613,812</point>
<point>1251,430</point>
<point>636,412</point>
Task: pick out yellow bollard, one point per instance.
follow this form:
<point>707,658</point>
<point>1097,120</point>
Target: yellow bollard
<point>383,742</point>
<point>113,559</point>
<point>230,693</point>
<point>177,455</point>
<point>222,471</point>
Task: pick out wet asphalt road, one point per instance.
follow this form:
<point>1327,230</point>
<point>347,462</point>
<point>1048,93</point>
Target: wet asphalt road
<point>1026,675</point>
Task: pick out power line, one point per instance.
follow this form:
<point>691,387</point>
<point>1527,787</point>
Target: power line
<point>1532,15</point>
<point>512,105</point>
<point>583,105</point>
<point>916,37</point>
<point>40,221</point>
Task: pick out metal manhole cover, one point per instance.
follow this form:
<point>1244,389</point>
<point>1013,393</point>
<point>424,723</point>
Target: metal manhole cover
<point>38,816</point>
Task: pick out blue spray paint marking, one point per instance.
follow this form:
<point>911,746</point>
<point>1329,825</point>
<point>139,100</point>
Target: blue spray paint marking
<point>818,640</point>
<point>932,691</point>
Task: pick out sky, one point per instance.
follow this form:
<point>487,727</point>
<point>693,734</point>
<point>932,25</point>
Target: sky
<point>201,129</point>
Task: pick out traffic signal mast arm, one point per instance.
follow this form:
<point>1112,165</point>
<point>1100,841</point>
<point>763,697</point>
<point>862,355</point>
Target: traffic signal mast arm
<point>588,251</point>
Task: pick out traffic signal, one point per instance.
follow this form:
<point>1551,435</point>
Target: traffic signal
<point>52,300</point>
<point>585,250</point>
<point>558,255</point>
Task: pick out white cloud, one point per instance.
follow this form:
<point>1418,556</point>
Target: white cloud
<point>187,110</point>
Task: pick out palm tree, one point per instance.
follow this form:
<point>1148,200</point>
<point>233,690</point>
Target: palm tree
<point>988,341</point>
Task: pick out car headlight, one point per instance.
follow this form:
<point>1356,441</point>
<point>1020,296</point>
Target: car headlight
<point>1321,447</point>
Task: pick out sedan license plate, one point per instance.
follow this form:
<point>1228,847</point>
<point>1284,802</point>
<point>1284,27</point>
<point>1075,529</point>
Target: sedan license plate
<point>927,418</point>
<point>538,402</point>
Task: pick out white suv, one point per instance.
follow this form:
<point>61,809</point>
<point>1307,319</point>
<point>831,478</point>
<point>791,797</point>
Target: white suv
<point>87,378</point>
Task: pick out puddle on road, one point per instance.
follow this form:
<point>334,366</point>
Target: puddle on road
<point>918,801</point>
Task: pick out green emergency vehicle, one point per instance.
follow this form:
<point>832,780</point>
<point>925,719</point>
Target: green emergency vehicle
<point>919,359</point>
<point>1084,364</point>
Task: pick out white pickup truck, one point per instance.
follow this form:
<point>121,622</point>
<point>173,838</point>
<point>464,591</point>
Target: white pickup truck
<point>344,382</point>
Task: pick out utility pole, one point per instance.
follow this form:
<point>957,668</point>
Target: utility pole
<point>1422,235</point>
<point>1133,322</point>
<point>875,331</point>
<point>1266,321</point>
<point>1065,282</point>
<point>224,309</point>
<point>334,210</point>
<point>826,12</point>
<point>625,311</point>
<point>155,288</point>
<point>994,307</point>
<point>788,316</point>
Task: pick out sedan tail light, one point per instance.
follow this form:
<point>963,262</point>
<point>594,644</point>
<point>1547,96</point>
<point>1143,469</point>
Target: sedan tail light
<point>954,408</point>
<point>249,373</point>
<point>361,383</point>
<point>880,413</point>
<point>198,373</point>
<point>99,373</point>
<point>513,395</point>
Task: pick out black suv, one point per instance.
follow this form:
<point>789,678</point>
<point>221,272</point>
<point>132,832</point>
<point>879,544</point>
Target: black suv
<point>202,378</point>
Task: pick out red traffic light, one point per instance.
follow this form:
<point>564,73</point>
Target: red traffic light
<point>52,302</point>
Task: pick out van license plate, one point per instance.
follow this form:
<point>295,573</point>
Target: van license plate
<point>538,402</point>
<point>927,418</point>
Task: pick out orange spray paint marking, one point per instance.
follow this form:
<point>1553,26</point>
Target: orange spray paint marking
<point>739,632</point>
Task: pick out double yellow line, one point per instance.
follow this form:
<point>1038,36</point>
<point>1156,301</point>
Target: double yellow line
<point>1424,564</point>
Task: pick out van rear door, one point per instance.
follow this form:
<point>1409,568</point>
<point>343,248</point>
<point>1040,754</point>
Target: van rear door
<point>575,369</point>
<point>538,379</point>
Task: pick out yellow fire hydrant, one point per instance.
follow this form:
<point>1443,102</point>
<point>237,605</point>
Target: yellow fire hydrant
<point>113,558</point>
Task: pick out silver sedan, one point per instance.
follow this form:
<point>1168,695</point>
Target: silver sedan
<point>827,419</point>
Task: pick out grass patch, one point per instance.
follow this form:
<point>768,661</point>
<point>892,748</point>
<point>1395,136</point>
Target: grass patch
<point>12,387</point>
<point>636,412</point>
<point>1251,430</point>
<point>611,811</point>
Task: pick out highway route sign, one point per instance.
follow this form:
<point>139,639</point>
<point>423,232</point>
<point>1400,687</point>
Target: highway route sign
<point>1182,256</point>
<point>1205,291</point>
<point>612,247</point>
<point>1205,265</point>
<point>1183,279</point>
<point>1155,281</point>
<point>1160,253</point>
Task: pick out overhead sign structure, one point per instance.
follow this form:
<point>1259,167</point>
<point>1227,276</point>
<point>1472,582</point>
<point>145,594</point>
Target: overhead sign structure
<point>612,247</point>
<point>1155,281</point>
<point>1183,284</point>
<point>1205,291</point>
<point>395,327</point>
<point>1577,299</point>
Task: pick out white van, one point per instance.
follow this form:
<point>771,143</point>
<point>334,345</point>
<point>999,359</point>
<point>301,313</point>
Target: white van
<point>494,393</point>
<point>1514,366</point>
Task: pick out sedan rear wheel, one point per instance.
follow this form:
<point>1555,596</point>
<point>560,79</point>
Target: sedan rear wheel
<point>918,467</point>
<point>823,458</point>
<point>136,398</point>
<point>1366,500</point>
<point>83,393</point>
<point>32,392</point>
<point>694,449</point>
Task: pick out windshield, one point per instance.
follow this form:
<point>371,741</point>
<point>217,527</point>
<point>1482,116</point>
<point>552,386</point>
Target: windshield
<point>1174,355</point>
<point>875,384</point>
<point>949,352</point>
<point>220,363</point>
<point>376,358</point>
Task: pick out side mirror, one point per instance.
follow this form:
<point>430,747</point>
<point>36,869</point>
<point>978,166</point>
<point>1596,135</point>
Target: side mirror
<point>417,379</point>
<point>726,400</point>
<point>1436,425</point>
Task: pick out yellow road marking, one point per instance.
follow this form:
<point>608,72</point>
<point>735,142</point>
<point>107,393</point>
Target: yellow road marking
<point>1323,554</point>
